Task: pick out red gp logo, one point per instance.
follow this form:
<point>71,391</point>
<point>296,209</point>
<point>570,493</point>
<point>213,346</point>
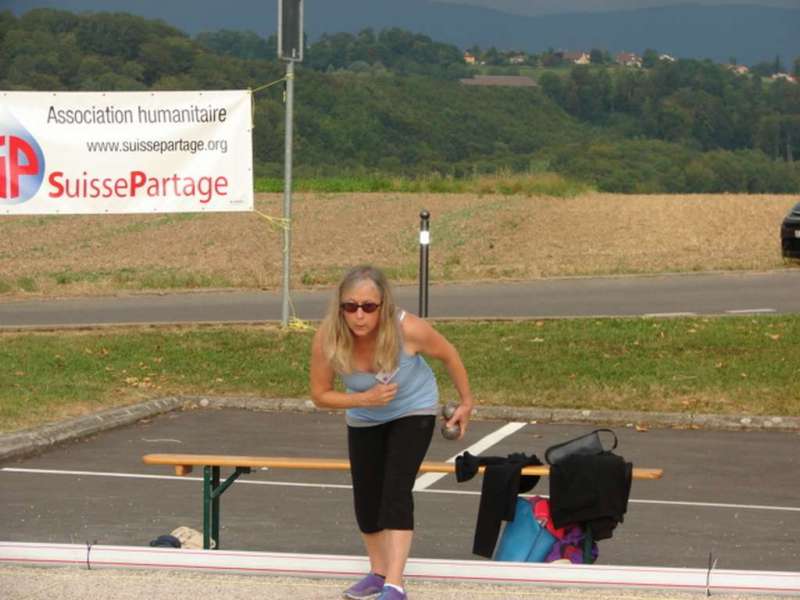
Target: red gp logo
<point>19,160</point>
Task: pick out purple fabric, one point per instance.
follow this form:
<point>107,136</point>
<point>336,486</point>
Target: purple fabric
<point>571,547</point>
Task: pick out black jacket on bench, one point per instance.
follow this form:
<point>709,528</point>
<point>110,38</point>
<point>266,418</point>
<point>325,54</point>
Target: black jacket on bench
<point>502,482</point>
<point>591,490</point>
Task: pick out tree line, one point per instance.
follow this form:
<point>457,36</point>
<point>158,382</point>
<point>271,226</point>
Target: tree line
<point>697,103</point>
<point>390,102</point>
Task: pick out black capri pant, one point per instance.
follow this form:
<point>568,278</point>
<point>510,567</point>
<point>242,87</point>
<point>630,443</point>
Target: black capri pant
<point>384,460</point>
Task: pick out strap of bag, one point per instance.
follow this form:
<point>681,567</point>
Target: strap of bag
<point>616,441</point>
<point>588,443</point>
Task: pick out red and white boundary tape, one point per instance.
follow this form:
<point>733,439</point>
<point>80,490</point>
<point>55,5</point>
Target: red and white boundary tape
<point>328,565</point>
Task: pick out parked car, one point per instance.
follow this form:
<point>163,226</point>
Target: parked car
<point>790,233</point>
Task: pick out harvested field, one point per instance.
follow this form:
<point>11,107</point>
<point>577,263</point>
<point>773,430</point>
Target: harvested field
<point>473,237</point>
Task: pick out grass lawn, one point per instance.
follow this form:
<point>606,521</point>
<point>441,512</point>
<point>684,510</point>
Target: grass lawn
<point>701,365</point>
<point>505,184</point>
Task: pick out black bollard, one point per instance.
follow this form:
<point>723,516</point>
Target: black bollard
<point>424,242</point>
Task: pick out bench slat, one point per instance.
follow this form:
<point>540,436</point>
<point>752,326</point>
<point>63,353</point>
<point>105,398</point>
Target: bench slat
<point>183,464</point>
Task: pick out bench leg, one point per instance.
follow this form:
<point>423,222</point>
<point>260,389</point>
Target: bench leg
<point>215,507</point>
<point>212,490</point>
<point>210,507</point>
<point>206,507</point>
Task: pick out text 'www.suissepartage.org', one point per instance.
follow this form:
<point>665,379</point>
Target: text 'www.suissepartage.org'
<point>159,146</point>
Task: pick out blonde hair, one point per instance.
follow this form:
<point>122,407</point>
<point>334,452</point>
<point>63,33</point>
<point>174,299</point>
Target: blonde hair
<point>337,339</point>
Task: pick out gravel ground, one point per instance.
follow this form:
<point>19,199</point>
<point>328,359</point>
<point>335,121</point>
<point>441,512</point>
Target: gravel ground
<point>474,237</point>
<point>67,583</point>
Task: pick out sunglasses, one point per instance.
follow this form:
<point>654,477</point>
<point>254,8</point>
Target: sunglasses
<point>367,307</point>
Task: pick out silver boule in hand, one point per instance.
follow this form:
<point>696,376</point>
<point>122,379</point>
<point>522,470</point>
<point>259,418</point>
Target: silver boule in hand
<point>448,410</point>
<point>452,432</point>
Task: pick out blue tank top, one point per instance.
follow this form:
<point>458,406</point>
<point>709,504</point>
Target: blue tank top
<point>417,392</point>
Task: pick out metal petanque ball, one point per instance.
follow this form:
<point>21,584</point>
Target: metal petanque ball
<point>451,433</point>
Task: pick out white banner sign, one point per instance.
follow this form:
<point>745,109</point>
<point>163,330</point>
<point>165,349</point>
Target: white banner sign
<point>125,152</point>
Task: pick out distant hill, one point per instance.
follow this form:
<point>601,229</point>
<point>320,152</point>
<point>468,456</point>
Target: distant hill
<point>749,34</point>
<point>379,105</point>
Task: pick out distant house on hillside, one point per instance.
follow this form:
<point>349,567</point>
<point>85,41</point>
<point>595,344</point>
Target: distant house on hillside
<point>629,59</point>
<point>578,58</point>
<point>738,69</point>
<point>500,80</point>
<point>516,59</point>
<point>785,77</point>
<point>666,57</point>
<point>469,58</point>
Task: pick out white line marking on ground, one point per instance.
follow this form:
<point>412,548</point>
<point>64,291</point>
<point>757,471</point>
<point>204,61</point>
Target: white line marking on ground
<point>662,502</point>
<point>171,477</point>
<point>747,311</point>
<point>718,505</point>
<point>426,480</point>
<point>671,314</point>
<point>347,487</point>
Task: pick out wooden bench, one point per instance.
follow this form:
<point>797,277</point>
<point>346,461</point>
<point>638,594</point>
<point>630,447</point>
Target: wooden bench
<point>213,488</point>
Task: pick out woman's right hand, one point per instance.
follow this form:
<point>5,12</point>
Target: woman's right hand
<point>380,394</point>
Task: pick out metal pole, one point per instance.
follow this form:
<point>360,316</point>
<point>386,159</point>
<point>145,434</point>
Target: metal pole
<point>215,507</point>
<point>207,490</point>
<point>424,242</point>
<point>287,192</point>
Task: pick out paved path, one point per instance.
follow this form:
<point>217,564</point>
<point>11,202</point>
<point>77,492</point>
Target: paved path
<point>709,293</point>
<point>733,494</point>
<point>730,493</point>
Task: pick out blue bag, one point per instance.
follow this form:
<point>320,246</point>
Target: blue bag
<point>524,539</point>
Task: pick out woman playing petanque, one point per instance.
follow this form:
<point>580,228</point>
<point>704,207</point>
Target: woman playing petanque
<point>391,402</point>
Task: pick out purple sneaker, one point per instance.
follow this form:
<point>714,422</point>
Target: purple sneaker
<point>368,587</point>
<point>389,593</point>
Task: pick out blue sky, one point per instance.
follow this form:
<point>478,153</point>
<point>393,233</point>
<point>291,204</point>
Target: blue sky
<point>523,7</point>
<point>542,7</point>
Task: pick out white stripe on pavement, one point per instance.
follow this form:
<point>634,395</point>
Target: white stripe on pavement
<point>170,477</point>
<point>347,487</point>
<point>426,480</point>
<point>748,311</point>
